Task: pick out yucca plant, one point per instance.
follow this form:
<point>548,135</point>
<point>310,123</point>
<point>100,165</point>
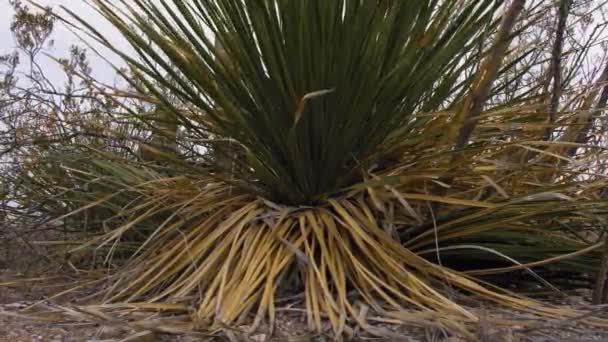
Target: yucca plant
<point>357,143</point>
<point>292,77</point>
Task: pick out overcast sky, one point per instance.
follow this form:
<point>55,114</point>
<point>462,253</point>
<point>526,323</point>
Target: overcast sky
<point>63,38</point>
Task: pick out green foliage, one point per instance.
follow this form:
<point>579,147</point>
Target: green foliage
<point>309,91</point>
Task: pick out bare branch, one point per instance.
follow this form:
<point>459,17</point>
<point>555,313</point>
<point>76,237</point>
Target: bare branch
<point>556,66</point>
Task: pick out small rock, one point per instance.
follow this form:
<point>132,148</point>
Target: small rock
<point>259,338</point>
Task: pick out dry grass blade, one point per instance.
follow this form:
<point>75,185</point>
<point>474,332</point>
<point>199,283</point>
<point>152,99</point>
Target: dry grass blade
<point>236,251</point>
